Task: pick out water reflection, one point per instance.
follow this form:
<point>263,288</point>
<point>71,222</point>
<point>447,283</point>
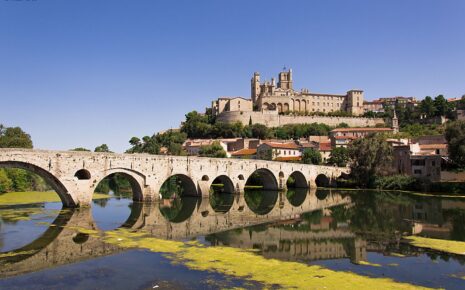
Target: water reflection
<point>261,202</point>
<point>296,196</point>
<point>300,227</point>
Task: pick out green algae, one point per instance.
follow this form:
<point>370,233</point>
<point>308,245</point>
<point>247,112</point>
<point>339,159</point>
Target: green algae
<point>28,197</point>
<point>13,254</point>
<point>366,263</point>
<point>453,247</point>
<point>247,265</point>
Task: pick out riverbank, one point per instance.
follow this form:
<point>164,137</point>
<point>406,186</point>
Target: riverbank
<point>414,193</point>
<point>27,197</point>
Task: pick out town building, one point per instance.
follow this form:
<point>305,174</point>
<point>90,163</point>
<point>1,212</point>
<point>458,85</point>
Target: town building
<point>245,154</point>
<point>280,151</point>
<point>281,97</point>
<point>380,105</point>
<point>341,137</point>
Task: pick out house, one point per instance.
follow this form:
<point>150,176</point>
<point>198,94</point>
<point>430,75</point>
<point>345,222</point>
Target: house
<point>325,151</point>
<point>193,146</point>
<point>245,154</point>
<point>341,137</point>
<point>289,151</point>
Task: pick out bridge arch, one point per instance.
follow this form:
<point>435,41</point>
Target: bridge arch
<point>322,180</point>
<point>82,174</point>
<point>265,177</point>
<point>297,180</point>
<point>56,184</point>
<point>180,182</point>
<point>136,180</point>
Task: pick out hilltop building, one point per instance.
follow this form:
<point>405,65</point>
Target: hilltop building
<point>281,97</point>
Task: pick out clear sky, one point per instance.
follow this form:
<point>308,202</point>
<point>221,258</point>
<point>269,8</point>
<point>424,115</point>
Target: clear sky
<point>86,72</point>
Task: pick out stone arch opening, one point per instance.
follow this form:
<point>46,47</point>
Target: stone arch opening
<point>49,178</point>
<point>82,174</point>
<point>297,180</point>
<point>178,185</point>
<point>322,181</point>
<point>179,198</point>
<point>120,184</point>
<point>262,178</point>
<point>221,194</point>
<point>241,177</point>
<point>205,178</point>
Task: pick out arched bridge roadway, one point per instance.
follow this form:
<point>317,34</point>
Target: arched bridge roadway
<point>75,175</point>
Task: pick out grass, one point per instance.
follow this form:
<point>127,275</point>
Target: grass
<point>27,197</point>
<point>453,247</point>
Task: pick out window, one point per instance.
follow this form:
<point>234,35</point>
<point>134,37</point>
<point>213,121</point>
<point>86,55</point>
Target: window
<point>417,171</point>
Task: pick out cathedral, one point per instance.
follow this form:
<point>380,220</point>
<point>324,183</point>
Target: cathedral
<point>281,97</point>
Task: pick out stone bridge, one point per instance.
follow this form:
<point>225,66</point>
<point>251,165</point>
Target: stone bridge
<point>75,175</point>
<point>65,241</point>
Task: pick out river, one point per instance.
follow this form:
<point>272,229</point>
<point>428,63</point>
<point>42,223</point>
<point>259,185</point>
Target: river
<point>263,239</point>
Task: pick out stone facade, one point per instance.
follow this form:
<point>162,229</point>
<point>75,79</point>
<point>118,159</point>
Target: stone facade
<point>273,119</point>
<point>282,97</point>
<point>277,104</point>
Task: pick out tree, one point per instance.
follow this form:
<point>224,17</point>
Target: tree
<point>260,131</point>
<point>102,148</point>
<point>5,182</point>
<point>339,156</point>
<point>266,154</point>
<point>14,137</point>
<point>213,150</point>
<point>371,157</point>
<point>80,149</point>
<point>311,156</point>
<point>455,136</point>
<point>441,105</point>
<point>427,107</point>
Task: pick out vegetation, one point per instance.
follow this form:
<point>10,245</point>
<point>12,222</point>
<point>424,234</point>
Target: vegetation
<point>29,197</point>
<point>371,157</point>
<point>213,150</point>
<point>397,182</point>
<point>455,136</point>
<point>454,247</point>
<point>311,156</point>
<point>171,140</point>
<point>339,156</point>
<point>230,261</point>
<point>102,148</point>
<point>14,137</point>
<point>80,149</point>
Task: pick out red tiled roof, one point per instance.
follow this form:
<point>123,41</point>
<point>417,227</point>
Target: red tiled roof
<point>362,130</point>
<point>288,158</point>
<point>345,137</point>
<point>282,145</point>
<point>244,152</point>
<point>325,146</point>
<point>433,146</point>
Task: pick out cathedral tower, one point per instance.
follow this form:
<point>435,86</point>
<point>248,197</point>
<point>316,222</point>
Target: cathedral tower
<point>285,80</point>
<point>255,87</point>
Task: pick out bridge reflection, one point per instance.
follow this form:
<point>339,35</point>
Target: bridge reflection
<point>67,240</point>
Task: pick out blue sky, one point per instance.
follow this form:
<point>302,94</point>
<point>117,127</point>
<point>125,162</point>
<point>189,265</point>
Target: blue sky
<point>87,72</point>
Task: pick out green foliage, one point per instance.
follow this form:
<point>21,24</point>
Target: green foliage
<point>213,150</point>
<point>371,157</point>
<point>311,156</point>
<point>296,131</point>
<point>417,130</point>
<point>339,156</point>
<point>80,149</point>
<point>427,107</point>
<point>6,184</point>
<point>102,148</point>
<point>455,136</point>
<point>396,182</point>
<point>266,154</point>
<point>170,139</point>
<point>14,137</point>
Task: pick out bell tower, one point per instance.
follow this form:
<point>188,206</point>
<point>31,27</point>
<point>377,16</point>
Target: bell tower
<point>255,86</point>
<point>285,79</point>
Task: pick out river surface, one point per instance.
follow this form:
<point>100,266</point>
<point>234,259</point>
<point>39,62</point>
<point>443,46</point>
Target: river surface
<point>195,243</point>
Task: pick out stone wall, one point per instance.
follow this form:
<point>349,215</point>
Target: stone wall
<point>273,119</point>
